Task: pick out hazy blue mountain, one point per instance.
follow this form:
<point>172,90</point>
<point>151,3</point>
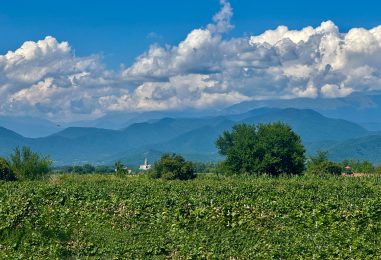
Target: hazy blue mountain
<point>9,134</point>
<point>37,127</point>
<point>313,147</point>
<point>358,107</point>
<point>364,109</point>
<point>115,120</point>
<point>364,148</point>
<point>318,132</point>
<point>252,113</point>
<point>9,140</point>
<point>310,125</point>
<point>299,103</point>
<point>192,137</point>
<point>29,126</point>
<point>76,144</point>
<point>121,120</point>
<point>197,141</point>
<point>79,132</point>
<point>371,126</point>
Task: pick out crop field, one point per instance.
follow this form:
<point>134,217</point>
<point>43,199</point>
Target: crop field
<point>209,217</point>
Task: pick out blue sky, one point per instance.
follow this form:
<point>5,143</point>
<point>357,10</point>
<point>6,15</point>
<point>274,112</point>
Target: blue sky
<point>120,30</point>
<point>63,61</point>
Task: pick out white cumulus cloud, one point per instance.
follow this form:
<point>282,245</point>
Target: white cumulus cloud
<point>206,69</point>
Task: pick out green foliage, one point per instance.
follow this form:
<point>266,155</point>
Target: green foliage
<point>264,149</point>
<point>377,169</point>
<point>78,169</point>
<point>359,166</point>
<point>6,172</point>
<point>104,217</point>
<point>325,168</point>
<point>208,167</point>
<point>320,157</point>
<point>28,164</point>
<point>85,169</point>
<point>120,169</point>
<point>319,165</point>
<point>104,169</point>
<point>173,167</point>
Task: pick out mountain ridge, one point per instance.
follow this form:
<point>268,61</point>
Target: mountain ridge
<point>193,137</point>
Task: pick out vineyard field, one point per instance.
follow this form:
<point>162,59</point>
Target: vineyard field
<point>79,216</point>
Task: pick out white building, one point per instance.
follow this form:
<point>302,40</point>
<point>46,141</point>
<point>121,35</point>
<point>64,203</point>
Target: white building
<point>145,166</point>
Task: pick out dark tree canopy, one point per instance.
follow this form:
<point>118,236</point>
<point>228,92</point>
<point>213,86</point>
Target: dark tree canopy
<point>6,172</point>
<point>263,149</point>
<point>172,167</point>
<point>82,169</point>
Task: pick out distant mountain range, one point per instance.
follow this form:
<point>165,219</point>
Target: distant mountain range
<point>36,127</point>
<point>364,109</point>
<point>29,126</point>
<point>194,137</point>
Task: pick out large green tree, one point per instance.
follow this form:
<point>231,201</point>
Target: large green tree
<point>273,149</point>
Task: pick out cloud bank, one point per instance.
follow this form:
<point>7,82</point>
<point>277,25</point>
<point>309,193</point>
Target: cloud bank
<point>206,69</point>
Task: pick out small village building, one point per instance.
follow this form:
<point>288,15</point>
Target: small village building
<point>145,166</point>
<point>348,170</point>
<point>128,170</point>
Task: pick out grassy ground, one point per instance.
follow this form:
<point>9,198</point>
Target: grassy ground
<point>210,217</point>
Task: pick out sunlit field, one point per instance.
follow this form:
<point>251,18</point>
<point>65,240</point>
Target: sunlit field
<point>209,217</point>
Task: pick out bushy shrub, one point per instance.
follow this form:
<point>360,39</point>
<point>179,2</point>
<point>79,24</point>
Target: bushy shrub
<point>172,167</point>
<point>377,169</point>
<point>319,165</point>
<point>28,164</point>
<point>6,172</point>
<point>325,168</point>
<point>120,169</point>
<point>359,166</point>
<point>208,167</point>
